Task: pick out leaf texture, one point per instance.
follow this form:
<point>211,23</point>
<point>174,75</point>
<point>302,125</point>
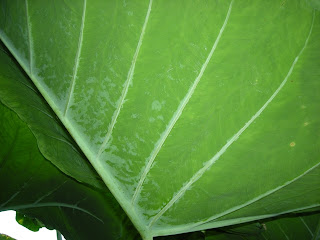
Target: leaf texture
<point>34,187</point>
<point>18,93</point>
<point>195,114</point>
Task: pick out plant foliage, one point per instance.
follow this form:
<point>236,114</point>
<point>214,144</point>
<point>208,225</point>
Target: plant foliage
<point>181,116</point>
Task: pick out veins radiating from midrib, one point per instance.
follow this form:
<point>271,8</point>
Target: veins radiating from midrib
<point>260,197</point>
<point>210,162</point>
<point>77,59</point>
<point>126,85</point>
<point>179,111</point>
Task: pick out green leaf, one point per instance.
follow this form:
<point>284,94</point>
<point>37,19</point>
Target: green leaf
<point>293,227</point>
<point>195,114</point>
<point>32,224</point>
<point>15,89</point>
<point>290,227</point>
<point>36,188</point>
<point>5,237</point>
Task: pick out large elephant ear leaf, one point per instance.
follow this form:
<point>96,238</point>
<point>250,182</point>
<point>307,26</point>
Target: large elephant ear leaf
<point>195,114</point>
<point>32,224</point>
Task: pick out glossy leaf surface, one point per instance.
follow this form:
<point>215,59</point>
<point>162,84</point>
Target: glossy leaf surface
<point>195,114</point>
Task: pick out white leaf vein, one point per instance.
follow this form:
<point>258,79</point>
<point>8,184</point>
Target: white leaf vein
<point>209,163</point>
<point>126,85</point>
<point>77,59</point>
<point>266,194</point>
<point>179,111</point>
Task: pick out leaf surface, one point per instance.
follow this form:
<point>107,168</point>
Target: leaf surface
<point>196,115</point>
<point>36,188</point>
<point>289,227</point>
<point>32,224</point>
<point>55,143</point>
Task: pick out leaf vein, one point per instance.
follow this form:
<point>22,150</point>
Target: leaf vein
<point>179,111</point>
<point>51,204</point>
<point>77,59</point>
<point>209,163</point>
<point>126,85</point>
<point>306,225</point>
<point>282,230</point>
<point>63,140</point>
<point>268,193</point>
<point>49,193</point>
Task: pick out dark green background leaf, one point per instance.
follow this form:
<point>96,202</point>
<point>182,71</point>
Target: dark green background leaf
<point>53,140</point>
<point>32,224</point>
<point>5,237</point>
